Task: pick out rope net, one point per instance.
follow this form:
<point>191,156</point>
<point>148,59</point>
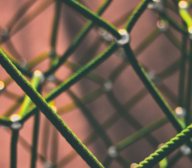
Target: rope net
<point>127,105</point>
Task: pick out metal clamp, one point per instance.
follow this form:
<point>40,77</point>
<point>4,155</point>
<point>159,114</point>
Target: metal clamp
<point>112,152</point>
<point>163,25</point>
<point>156,5</point>
<point>16,124</point>
<point>40,74</point>
<point>125,38</point>
<point>107,86</point>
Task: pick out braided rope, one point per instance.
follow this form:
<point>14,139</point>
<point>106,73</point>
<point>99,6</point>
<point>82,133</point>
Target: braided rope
<point>16,71</point>
<point>166,149</point>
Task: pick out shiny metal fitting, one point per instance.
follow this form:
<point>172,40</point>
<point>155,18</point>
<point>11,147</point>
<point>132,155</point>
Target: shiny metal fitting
<point>180,112</point>
<point>107,86</point>
<point>133,165</point>
<point>2,86</point>
<point>48,164</point>
<point>154,78</point>
<point>40,74</point>
<point>112,152</point>
<point>51,78</point>
<point>105,35</point>
<point>160,145</point>
<point>23,63</point>
<point>190,32</point>
<point>163,25</point>
<point>185,150</point>
<point>183,5</point>
<point>156,5</point>
<point>4,33</point>
<point>16,124</point>
<point>125,38</point>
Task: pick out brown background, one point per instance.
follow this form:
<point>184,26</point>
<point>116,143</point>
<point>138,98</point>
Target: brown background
<point>34,39</point>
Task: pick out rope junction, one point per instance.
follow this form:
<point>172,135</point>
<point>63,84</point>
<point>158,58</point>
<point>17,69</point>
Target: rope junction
<point>118,42</point>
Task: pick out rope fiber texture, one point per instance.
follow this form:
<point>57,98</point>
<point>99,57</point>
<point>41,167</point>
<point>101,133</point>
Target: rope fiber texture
<point>166,149</point>
<point>33,103</point>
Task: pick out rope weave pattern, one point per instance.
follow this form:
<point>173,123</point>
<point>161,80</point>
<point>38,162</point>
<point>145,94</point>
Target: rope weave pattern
<point>13,66</point>
<point>165,150</point>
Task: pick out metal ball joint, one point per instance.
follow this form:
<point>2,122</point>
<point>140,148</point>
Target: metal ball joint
<point>2,86</point>
<point>154,78</point>
<point>4,33</point>
<point>105,35</point>
<point>185,150</point>
<point>160,145</point>
<point>47,164</point>
<point>180,112</point>
<point>163,25</point>
<point>40,74</point>
<point>156,5</point>
<point>125,38</point>
<point>16,124</point>
<point>107,86</point>
<point>183,5</point>
<point>133,165</point>
<point>112,152</point>
<point>190,32</point>
<point>51,78</point>
<point>23,63</point>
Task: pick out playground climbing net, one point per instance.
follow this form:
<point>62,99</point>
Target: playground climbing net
<point>118,42</point>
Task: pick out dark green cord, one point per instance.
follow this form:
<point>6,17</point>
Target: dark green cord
<point>189,88</point>
<point>182,71</point>
<point>165,150</point>
<point>174,159</point>
<point>13,158</point>
<point>55,24</point>
<point>140,133</point>
<point>136,14</point>
<point>77,40</point>
<point>35,140</point>
<point>93,17</point>
<point>48,112</point>
<point>92,120</point>
<point>152,88</point>
<point>76,76</point>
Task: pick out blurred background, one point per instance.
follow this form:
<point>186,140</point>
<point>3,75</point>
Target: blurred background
<point>116,99</point>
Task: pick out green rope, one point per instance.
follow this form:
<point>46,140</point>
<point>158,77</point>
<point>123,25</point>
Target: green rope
<point>76,76</point>
<point>37,76</point>
<point>77,40</point>
<point>48,112</point>
<point>91,119</point>
<point>139,134</point>
<point>55,24</point>
<point>93,17</point>
<point>182,71</point>
<point>165,150</point>
<point>131,120</point>
<point>136,14</point>
<point>174,23</point>
<point>13,156</point>
<point>5,121</point>
<point>189,88</point>
<point>35,140</point>
<point>152,88</point>
<point>174,159</point>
